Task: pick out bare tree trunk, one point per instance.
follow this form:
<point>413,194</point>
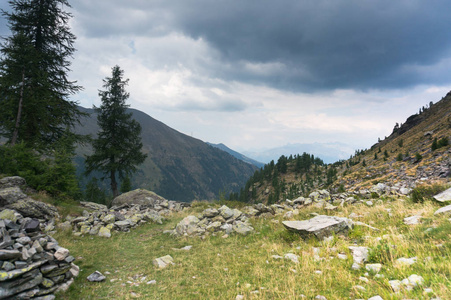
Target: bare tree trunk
<point>19,112</point>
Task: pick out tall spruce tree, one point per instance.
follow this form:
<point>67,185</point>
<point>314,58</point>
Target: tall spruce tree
<point>34,87</point>
<point>117,148</point>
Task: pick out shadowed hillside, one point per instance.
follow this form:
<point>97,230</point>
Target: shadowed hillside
<point>178,166</point>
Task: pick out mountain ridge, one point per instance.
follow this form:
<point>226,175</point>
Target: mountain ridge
<point>178,166</point>
<point>237,154</point>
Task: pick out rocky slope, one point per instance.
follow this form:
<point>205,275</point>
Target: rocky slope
<point>417,152</point>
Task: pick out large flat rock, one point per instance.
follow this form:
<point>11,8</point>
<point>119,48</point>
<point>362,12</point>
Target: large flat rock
<point>320,226</point>
<point>139,196</point>
<point>444,196</point>
<point>443,210</point>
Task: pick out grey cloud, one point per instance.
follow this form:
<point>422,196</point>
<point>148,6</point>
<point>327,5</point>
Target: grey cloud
<point>321,44</point>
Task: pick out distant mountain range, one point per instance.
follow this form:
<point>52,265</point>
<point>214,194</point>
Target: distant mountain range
<point>237,155</point>
<point>328,152</point>
<point>178,167</point>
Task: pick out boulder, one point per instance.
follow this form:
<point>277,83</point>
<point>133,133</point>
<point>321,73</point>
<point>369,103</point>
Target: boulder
<point>12,181</point>
<point>96,277</point>
<point>242,228</point>
<point>34,209</point>
<point>320,226</point>
<point>11,195</point>
<point>138,196</point>
<point>104,232</point>
<point>163,262</point>
<point>443,210</point>
<point>444,196</point>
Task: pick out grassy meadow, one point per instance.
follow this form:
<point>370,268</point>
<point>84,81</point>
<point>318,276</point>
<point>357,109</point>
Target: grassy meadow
<point>222,268</point>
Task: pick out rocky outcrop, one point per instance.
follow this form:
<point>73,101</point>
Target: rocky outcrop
<point>12,197</point>
<point>446,210</point>
<point>33,265</point>
<point>444,196</point>
<point>212,220</point>
<point>141,197</point>
<point>320,226</point>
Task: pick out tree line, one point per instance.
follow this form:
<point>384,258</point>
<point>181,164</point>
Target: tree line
<point>268,184</point>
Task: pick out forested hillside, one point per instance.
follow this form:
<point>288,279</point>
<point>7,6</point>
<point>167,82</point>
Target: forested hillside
<point>416,150</point>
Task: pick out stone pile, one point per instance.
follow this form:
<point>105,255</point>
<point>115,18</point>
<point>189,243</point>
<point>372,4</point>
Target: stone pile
<point>102,220</point>
<point>212,220</point>
<point>32,264</point>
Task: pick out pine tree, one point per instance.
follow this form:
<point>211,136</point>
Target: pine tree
<point>117,148</point>
<point>34,88</point>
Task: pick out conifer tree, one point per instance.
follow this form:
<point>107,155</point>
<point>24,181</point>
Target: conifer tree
<point>34,87</point>
<point>117,148</point>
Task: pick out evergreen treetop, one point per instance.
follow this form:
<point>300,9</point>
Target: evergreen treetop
<point>34,87</point>
<point>117,148</point>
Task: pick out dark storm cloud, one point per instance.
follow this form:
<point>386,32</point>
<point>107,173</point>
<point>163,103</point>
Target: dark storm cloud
<point>307,45</point>
<point>325,44</point>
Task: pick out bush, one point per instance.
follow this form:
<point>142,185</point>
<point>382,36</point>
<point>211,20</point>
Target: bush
<point>383,253</point>
<point>399,157</point>
<point>418,157</point>
<point>443,142</point>
<point>426,192</point>
<point>54,175</point>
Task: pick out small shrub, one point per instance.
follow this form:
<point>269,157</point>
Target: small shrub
<point>425,192</point>
<point>434,145</point>
<point>383,253</point>
<point>374,195</point>
<point>418,157</point>
<point>399,157</point>
<point>443,142</point>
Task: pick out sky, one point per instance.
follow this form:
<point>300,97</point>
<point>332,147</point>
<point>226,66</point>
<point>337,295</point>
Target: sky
<point>262,74</point>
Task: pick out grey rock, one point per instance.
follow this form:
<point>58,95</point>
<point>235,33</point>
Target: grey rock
<point>412,220</point>
<point>96,277</point>
<point>395,285</point>
<point>359,254</point>
<point>104,232</point>
<point>11,195</point>
<point>210,213</point>
<point>405,262</point>
<point>12,181</point>
<point>139,196</point>
<point>444,196</point>
<point>293,257</point>
<point>8,214</point>
<point>28,281</point>
<point>163,262</point>
<point>9,254</point>
<point>242,228</point>
<point>61,253</point>
<point>226,212</point>
<point>373,267</point>
<point>320,226</point>
<point>444,210</point>
<point>34,209</point>
<point>94,206</point>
